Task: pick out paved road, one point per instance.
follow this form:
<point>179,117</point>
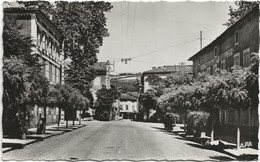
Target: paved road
<point>116,140</point>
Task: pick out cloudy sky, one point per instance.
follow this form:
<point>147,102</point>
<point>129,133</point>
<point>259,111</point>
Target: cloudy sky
<point>160,33</point>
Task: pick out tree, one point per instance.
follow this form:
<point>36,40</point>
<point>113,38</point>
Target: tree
<point>18,52</point>
<point>83,25</point>
<point>14,94</point>
<point>242,8</point>
<point>39,94</point>
<point>157,84</point>
<point>63,94</point>
<point>148,102</point>
<point>105,99</point>
<point>251,81</point>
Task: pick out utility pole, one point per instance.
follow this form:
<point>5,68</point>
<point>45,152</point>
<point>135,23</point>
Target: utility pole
<point>200,39</point>
<point>108,70</point>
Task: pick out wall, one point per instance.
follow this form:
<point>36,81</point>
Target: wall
<point>49,50</point>
<point>226,47</point>
<point>132,106</point>
<point>97,84</point>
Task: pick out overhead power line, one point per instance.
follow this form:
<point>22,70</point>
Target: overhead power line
<point>122,37</point>
<point>131,43</point>
<point>151,52</point>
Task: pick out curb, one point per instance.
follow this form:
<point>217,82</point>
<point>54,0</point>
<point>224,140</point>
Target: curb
<point>34,138</point>
<point>217,148</point>
<point>4,150</point>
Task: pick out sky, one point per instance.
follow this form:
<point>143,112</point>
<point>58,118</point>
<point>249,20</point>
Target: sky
<point>157,34</point>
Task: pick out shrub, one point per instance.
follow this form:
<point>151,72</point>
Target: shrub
<point>169,119</point>
<point>197,122</point>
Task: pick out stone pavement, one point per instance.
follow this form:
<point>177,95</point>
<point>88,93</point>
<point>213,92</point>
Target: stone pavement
<point>51,130</point>
<point>219,145</point>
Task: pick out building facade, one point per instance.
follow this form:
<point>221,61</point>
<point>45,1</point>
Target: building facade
<point>101,72</point>
<point>48,44</point>
<point>163,72</point>
<point>233,47</point>
<point>128,104</point>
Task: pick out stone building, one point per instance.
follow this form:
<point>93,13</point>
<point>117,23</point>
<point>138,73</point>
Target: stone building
<point>233,47</point>
<point>163,72</point>
<point>48,41</point>
<point>128,104</point>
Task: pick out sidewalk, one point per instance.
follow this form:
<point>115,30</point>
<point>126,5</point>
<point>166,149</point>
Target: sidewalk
<point>219,145</point>
<point>9,144</point>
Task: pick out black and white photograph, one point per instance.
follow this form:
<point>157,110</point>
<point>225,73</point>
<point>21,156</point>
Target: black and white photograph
<point>130,80</point>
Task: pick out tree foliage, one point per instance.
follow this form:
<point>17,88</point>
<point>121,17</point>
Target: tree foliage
<point>105,97</point>
<point>21,71</point>
<point>83,25</point>
<point>242,8</point>
<point>236,89</point>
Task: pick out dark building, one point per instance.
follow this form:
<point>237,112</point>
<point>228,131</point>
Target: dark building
<point>48,44</point>
<point>233,47</point>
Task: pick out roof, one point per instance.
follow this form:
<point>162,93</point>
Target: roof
<point>100,66</point>
<point>21,10</point>
<point>129,96</point>
<point>169,69</point>
<point>229,29</point>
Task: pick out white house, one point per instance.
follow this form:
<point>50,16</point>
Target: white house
<point>129,106</point>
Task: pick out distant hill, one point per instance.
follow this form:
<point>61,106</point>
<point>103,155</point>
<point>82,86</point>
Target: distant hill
<point>126,84</point>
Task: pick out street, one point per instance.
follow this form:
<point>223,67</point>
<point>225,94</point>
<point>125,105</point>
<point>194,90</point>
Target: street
<point>116,140</point>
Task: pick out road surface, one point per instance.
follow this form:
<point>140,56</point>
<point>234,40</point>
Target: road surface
<point>115,140</point>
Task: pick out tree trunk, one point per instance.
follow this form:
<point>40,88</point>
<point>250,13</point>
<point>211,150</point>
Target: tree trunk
<point>80,117</point>
<point>23,135</point>
<point>147,115</point>
<point>212,126</point>
<point>238,130</point>
<point>45,119</point>
<point>59,116</point>
<point>73,122</point>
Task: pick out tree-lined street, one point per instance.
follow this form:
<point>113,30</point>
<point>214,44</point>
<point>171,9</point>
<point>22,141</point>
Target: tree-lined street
<point>54,74</point>
<point>116,140</point>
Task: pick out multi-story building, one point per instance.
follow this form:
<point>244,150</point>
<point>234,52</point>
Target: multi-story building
<point>233,47</point>
<point>48,44</point>
<point>128,104</point>
<point>163,72</point>
<point>101,72</point>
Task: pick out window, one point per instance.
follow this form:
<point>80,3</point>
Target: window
<point>215,68</point>
<point>47,45</point>
<point>47,69</point>
<point>51,46</point>
<point>50,72</point>
<point>223,64</point>
<point>236,38</point>
<point>38,37</point>
<point>57,75</point>
<point>53,74</point>
<point>215,52</point>
<point>237,59</point>
<point>49,111</point>
<point>246,57</point>
<point>126,107</point>
<point>43,42</point>
<point>208,70</point>
<point>133,107</point>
